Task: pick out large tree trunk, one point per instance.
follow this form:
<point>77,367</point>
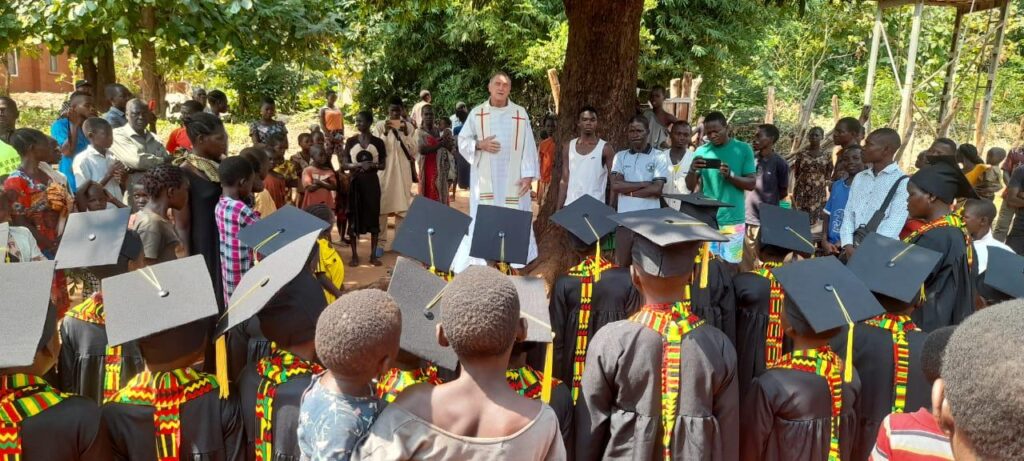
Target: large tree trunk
<point>601,60</point>
<point>97,60</point>
<point>153,87</point>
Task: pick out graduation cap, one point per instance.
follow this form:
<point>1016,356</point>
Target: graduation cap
<point>785,228</point>
<point>411,287</point>
<point>892,268</point>
<point>587,219</point>
<point>660,235</point>
<point>700,206</point>
<point>501,234</point>
<point>533,306</point>
<point>94,238</point>
<point>284,226</point>
<point>822,294</point>
<point>1005,272</point>
<point>30,319</point>
<point>944,181</point>
<point>431,233</point>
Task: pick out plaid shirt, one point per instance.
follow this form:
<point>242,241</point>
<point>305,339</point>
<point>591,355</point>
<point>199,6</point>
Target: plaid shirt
<point>235,258</point>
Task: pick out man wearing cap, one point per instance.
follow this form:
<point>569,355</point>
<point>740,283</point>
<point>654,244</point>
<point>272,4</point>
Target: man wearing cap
<point>417,109</point>
<point>497,141</point>
<point>135,146</point>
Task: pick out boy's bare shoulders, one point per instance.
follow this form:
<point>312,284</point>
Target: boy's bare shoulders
<point>448,408</point>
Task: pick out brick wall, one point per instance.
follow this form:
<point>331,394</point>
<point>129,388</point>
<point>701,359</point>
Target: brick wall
<point>36,72</point>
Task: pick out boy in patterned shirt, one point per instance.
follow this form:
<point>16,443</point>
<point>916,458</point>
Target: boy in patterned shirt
<point>232,214</point>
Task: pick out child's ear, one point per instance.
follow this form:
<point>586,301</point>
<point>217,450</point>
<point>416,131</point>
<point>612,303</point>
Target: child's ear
<point>940,408</point>
<point>636,280</point>
<point>441,338</point>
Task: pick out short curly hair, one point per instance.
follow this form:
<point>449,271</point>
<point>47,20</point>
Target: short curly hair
<point>932,350</point>
<point>479,312</point>
<point>356,330</point>
<point>161,178</point>
<point>981,369</point>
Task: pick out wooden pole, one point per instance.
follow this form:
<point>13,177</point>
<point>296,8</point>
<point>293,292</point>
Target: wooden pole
<point>947,120</point>
<point>693,97</point>
<point>990,87</point>
<point>769,107</point>
<point>675,92</point>
<point>686,92</point>
<point>556,88</point>
<point>954,58</point>
<point>805,114</point>
<point>905,137</point>
<point>907,96</point>
<point>835,109</point>
<point>876,36</point>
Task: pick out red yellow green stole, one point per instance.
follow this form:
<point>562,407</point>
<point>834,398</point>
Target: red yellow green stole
<point>898,325</point>
<point>166,392</point>
<point>392,383</point>
<point>91,311</point>
<point>825,363</point>
<point>21,397</point>
<point>672,322</point>
<point>527,382</point>
<point>950,220</point>
<point>585,271</point>
<point>274,370</point>
<point>773,333</point>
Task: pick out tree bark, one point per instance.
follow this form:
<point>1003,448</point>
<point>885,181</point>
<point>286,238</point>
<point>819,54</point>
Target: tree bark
<point>601,62</point>
<point>96,56</point>
<point>153,87</point>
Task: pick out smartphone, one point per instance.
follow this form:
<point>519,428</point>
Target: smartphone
<point>712,163</point>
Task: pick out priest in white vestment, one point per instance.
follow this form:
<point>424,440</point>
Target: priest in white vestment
<point>497,141</point>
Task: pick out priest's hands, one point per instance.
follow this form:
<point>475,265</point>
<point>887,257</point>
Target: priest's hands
<point>489,144</point>
<point>525,186</point>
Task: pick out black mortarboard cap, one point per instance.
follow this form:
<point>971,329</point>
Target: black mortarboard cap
<point>1005,272</point>
<point>944,181</point>
<point>660,238</point>
<point>892,268</point>
<point>284,226</point>
<point>811,288</point>
<point>30,319</point>
<point>264,281</point>
<point>501,234</point>
<point>586,218</point>
<point>533,306</point>
<point>157,298</point>
<point>785,228</point>
<point>431,233</point>
<point>93,238</point>
<point>412,287</point>
<point>700,206</point>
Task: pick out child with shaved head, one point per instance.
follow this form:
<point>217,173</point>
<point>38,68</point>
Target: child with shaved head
<point>356,340</point>
<point>476,416</point>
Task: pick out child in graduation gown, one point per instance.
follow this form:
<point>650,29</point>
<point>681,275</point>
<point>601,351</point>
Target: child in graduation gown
<point>887,348</point>
<point>663,371</point>
<point>170,411</point>
<point>39,421</point>
<point>950,288</point>
<point>803,407</point>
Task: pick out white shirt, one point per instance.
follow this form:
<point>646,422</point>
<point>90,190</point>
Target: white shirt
<point>866,196</point>
<point>676,183</point>
<point>640,167</point>
<point>587,173</point>
<point>91,165</point>
<point>981,247</point>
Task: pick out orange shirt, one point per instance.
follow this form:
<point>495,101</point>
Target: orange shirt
<point>546,150</point>
<point>333,120</point>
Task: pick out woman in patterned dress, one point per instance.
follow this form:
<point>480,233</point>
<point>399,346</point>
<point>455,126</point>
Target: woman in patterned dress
<point>812,169</point>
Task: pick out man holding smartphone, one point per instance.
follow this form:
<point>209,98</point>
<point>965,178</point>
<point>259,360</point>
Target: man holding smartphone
<point>724,168</point>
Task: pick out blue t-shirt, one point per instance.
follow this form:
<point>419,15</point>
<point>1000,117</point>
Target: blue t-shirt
<point>834,209</point>
<point>61,131</point>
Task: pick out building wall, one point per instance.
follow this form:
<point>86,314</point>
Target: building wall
<point>35,74</point>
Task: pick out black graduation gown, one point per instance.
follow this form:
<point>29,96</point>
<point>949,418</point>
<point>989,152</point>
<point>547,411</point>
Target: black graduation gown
<point>787,416</point>
<point>873,360</point>
<point>950,289</point>
<point>715,303</point>
<point>614,299</point>
<point>285,413</point>
<point>203,196</point>
<point>68,431</point>
<point>211,430</point>
<point>83,354</point>
<point>561,402</point>
<point>753,294</point>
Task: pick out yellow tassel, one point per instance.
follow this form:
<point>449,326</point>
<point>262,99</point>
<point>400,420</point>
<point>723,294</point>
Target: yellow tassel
<point>545,389</point>
<point>221,347</point>
<point>847,360</point>
<point>923,296</point>
<point>705,255</point>
<point>597,262</point>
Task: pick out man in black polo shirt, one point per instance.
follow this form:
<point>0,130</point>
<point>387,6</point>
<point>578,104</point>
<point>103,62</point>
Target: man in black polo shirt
<point>772,185</point>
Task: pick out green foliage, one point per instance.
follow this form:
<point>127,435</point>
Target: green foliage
<point>253,78</point>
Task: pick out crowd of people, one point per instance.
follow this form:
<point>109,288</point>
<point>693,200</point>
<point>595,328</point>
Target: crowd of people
<point>706,317</point>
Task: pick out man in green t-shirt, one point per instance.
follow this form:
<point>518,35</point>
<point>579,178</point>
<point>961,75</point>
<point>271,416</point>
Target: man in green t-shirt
<point>726,183</point>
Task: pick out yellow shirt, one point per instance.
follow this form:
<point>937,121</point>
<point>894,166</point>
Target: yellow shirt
<point>974,176</point>
<point>332,265</point>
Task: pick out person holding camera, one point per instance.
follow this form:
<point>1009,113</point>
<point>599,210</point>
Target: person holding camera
<point>878,195</point>
<point>724,168</point>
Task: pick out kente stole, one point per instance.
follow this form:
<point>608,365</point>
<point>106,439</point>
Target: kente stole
<point>91,311</point>
<point>950,220</point>
<point>672,322</point>
<point>527,382</point>
<point>585,272</point>
<point>395,380</point>
<point>21,397</point>
<point>484,129</point>
<point>773,333</point>
<point>826,364</point>
<point>273,371</point>
<point>166,392</point>
<point>899,325</point>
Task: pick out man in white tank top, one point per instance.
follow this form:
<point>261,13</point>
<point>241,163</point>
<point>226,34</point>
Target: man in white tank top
<point>586,162</point>
<point>680,156</point>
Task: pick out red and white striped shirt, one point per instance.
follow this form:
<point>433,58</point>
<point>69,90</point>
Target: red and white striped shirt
<point>911,437</point>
